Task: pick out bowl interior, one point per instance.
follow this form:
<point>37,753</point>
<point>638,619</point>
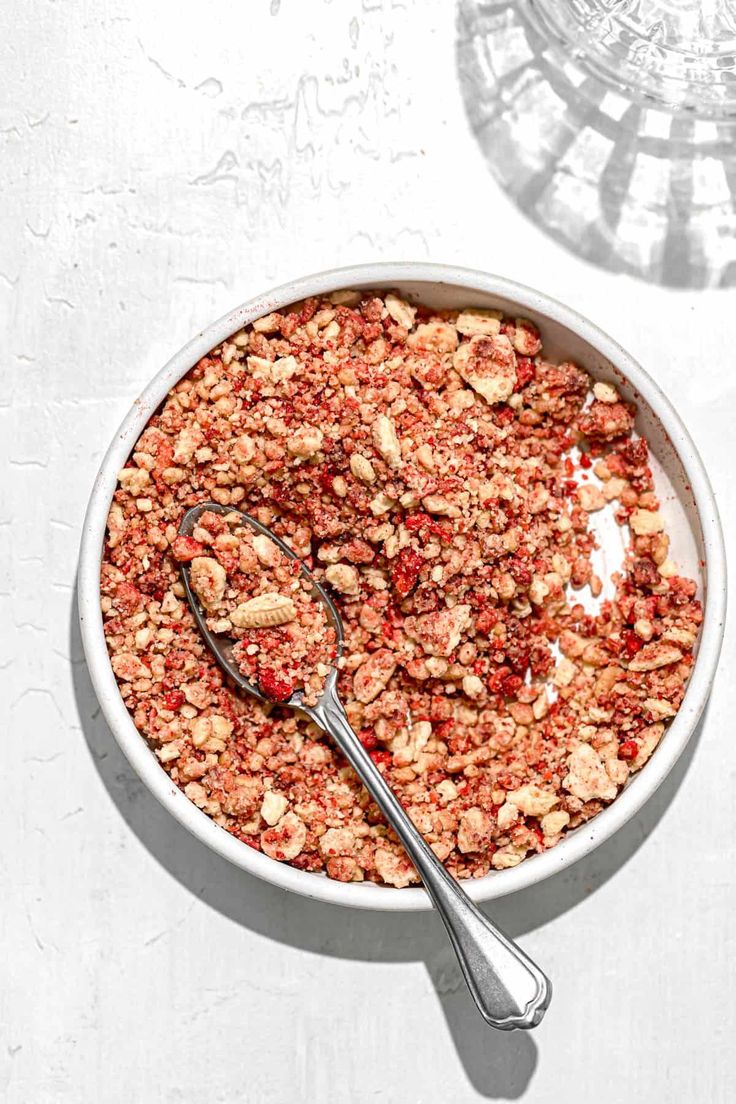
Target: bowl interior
<point>564,336</point>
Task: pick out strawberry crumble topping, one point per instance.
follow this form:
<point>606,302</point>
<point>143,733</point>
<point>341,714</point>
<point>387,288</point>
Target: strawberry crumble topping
<point>441,478</point>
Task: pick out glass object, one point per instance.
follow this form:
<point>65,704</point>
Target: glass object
<point>679,53</point>
<point>612,124</point>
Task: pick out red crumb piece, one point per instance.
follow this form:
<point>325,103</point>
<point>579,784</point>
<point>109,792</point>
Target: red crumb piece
<point>525,371</point>
<point>368,739</point>
<point>405,572</point>
<point>631,643</point>
<point>174,699</point>
<point>185,549</point>
<point>274,685</point>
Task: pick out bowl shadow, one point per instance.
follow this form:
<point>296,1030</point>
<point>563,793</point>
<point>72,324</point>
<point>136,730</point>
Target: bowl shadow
<point>498,1064</point>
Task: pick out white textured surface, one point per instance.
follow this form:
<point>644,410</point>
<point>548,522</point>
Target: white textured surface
<point>160,163</point>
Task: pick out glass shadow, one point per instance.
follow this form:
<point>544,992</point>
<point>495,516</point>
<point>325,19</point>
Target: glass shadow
<point>618,179</point>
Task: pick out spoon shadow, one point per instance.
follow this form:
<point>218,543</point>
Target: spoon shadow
<point>498,1064</point>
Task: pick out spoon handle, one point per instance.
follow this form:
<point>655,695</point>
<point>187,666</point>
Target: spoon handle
<point>509,989</point>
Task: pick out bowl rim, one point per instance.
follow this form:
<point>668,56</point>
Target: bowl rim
<point>368,895</point>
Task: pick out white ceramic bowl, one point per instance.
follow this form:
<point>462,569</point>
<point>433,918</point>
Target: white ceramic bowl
<point>688,505</point>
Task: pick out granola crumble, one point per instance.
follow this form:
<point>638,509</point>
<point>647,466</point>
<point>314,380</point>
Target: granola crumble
<point>439,475</point>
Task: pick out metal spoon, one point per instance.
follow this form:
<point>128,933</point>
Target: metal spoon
<point>509,989</point>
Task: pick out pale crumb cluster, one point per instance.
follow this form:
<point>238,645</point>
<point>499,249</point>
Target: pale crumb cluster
<point>438,474</point>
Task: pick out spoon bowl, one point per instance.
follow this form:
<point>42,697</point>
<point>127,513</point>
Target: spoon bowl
<point>222,646</point>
